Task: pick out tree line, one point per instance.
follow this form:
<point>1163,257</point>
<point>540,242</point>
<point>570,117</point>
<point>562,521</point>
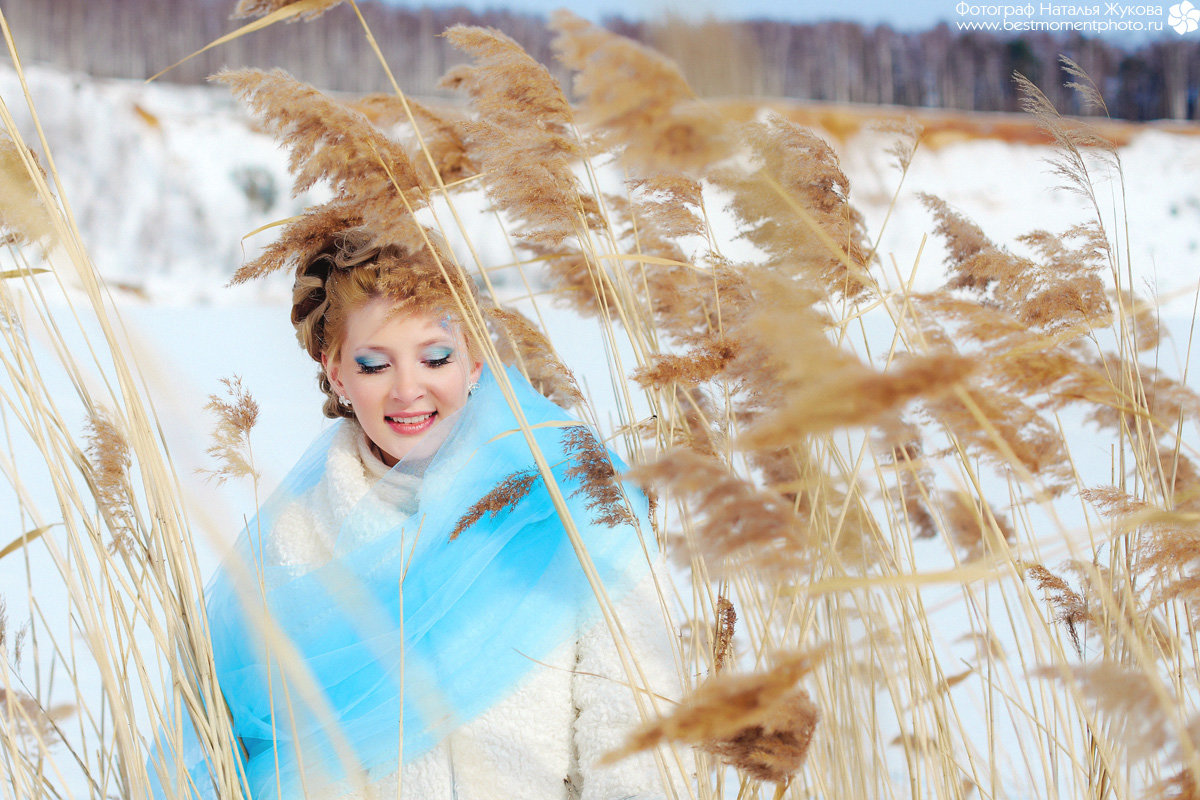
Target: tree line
<point>842,62</point>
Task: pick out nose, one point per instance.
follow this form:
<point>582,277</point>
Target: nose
<point>406,386</point>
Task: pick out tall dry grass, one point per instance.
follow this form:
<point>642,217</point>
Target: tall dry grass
<point>830,503</point>
<point>117,538</point>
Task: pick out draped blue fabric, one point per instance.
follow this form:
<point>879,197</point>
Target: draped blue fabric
<point>470,619</point>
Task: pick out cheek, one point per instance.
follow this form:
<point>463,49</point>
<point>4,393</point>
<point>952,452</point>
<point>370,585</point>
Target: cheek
<point>357,389</point>
<point>453,389</point>
<point>375,390</point>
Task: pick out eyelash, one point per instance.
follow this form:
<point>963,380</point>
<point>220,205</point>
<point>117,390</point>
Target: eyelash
<point>371,369</point>
<point>374,369</point>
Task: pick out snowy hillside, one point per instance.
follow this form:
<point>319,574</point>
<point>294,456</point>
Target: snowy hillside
<point>166,181</point>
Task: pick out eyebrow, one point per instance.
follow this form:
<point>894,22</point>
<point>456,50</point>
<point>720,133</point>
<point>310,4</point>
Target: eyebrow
<point>443,340</point>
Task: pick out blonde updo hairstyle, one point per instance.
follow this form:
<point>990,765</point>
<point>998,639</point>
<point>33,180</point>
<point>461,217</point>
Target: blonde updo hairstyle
<point>352,271</point>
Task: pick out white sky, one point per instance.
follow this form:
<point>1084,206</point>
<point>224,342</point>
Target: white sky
<point>915,15</point>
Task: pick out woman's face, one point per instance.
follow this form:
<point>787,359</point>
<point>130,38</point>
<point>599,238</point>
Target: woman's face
<point>403,374</point>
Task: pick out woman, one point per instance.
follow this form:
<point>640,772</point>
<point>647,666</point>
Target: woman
<point>414,559</point>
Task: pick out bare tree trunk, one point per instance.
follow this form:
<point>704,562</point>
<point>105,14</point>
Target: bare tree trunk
<point>886,80</point>
<point>1175,83</point>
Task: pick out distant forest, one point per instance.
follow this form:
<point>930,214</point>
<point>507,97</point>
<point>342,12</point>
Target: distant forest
<point>830,61</point>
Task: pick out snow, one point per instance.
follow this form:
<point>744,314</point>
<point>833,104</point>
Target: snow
<point>166,182</point>
<point>1008,190</point>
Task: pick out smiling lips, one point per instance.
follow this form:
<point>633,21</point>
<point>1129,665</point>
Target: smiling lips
<point>411,424</point>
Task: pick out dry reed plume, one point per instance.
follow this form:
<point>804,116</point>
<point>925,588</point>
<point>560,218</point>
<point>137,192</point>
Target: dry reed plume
<point>231,435</point>
<point>23,216</point>
<point>762,724</point>
<point>520,342</point>
<point>599,482</point>
<point>109,459</point>
<point>637,101</point>
<point>512,490</point>
<point>261,8</point>
<point>590,465</point>
<point>1070,608</point>
<point>723,638</point>
<point>522,137</point>
<point>796,208</point>
<point>732,522</point>
<point>437,142</point>
<point>371,176</point>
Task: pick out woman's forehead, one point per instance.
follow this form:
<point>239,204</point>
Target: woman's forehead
<point>384,317</point>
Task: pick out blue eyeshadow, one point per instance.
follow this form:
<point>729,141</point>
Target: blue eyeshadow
<point>370,361</point>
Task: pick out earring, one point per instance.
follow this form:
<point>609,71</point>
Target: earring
<point>345,401</point>
<point>472,387</point>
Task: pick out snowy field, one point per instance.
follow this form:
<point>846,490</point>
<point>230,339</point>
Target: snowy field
<point>166,183</point>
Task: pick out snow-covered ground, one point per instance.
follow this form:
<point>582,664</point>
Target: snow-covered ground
<point>166,182</point>
<point>1008,189</point>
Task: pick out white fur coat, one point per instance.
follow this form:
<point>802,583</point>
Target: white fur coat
<point>542,741</point>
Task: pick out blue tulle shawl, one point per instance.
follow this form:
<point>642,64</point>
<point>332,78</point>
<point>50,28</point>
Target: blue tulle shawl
<point>478,610</point>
